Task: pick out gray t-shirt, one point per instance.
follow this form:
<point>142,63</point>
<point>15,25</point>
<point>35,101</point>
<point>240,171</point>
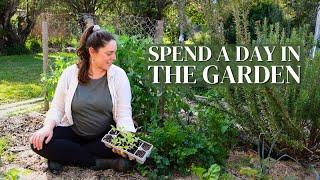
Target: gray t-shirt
<point>91,108</point>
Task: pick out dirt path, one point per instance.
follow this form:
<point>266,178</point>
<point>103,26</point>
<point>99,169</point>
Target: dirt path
<point>6,109</point>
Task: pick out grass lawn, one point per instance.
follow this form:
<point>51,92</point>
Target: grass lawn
<point>20,76</point>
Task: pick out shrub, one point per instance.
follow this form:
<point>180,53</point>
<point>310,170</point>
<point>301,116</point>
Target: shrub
<point>179,144</point>
<point>50,80</point>
<point>286,114</point>
<point>16,49</point>
<point>33,45</point>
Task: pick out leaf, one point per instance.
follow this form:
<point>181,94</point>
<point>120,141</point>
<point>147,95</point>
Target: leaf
<point>198,171</point>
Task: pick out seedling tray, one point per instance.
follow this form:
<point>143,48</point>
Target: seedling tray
<point>140,152</point>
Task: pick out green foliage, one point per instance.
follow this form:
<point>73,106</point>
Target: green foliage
<point>300,12</point>
<point>267,10</point>
<point>58,42</point>
<point>4,142</point>
<point>213,173</point>
<point>200,38</point>
<point>152,9</point>
<point>146,107</point>
<point>16,49</point>
<point>286,114</point>
<point>249,171</point>
<point>33,45</point>
<point>192,11</point>
<point>239,18</point>
<point>240,12</point>
<point>178,145</point>
<point>4,146</point>
<point>131,57</point>
<point>60,62</point>
<point>254,173</point>
<point>177,142</point>
<point>171,29</point>
<point>198,171</point>
<point>15,173</point>
<point>125,140</point>
<point>2,5</point>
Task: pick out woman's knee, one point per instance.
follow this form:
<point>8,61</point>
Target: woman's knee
<point>33,148</point>
<point>40,151</point>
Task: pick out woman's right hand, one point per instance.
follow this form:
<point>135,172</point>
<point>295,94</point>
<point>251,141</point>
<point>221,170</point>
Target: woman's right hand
<point>38,137</point>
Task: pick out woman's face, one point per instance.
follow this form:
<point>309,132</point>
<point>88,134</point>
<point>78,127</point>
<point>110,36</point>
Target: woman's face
<point>104,57</point>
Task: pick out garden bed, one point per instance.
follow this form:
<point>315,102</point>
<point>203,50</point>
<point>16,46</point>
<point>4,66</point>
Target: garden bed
<point>19,155</point>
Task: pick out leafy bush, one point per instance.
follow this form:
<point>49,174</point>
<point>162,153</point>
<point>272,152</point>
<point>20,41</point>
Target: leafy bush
<point>179,144</point>
<point>16,49</point>
<point>286,114</point>
<point>33,45</point>
<point>213,173</point>
<point>130,57</point>
<point>50,80</point>
<point>176,147</point>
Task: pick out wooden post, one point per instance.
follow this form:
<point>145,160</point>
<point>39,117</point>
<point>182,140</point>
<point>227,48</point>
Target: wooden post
<point>158,39</point>
<point>316,33</point>
<point>181,5</point>
<point>45,50</point>
<point>159,32</point>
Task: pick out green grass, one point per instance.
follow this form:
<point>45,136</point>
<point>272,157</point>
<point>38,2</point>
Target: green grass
<point>20,76</point>
<point>37,107</point>
<point>4,143</point>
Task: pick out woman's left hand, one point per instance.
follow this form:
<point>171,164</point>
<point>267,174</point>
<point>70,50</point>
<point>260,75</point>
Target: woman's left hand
<point>121,153</point>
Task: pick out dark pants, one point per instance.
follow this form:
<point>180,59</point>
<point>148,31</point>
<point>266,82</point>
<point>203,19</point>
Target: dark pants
<point>68,148</point>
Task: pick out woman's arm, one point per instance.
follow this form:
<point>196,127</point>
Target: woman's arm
<point>53,116</point>
<point>123,102</point>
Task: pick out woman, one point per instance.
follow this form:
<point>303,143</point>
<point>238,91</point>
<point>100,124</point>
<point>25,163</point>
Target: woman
<point>90,97</point>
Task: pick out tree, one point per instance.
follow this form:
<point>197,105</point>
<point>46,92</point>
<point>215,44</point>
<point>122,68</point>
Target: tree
<point>18,19</point>
<point>152,9</point>
<point>85,10</point>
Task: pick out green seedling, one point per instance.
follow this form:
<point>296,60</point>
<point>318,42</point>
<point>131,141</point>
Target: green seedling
<point>125,140</point>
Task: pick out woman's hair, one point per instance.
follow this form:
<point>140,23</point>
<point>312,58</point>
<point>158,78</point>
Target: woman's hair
<point>90,38</point>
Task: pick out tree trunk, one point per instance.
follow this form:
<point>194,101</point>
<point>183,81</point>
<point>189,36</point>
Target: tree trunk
<point>86,20</point>
<point>12,37</point>
<point>7,12</point>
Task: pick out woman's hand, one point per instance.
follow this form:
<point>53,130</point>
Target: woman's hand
<point>121,153</point>
<point>38,137</point>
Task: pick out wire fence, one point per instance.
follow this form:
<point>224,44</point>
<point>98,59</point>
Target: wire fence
<point>60,33</point>
<point>64,32</point>
<point>131,25</point>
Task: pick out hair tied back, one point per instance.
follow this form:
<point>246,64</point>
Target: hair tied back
<point>96,28</point>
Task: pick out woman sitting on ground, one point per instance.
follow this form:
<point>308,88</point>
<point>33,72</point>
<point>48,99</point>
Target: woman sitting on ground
<point>90,96</point>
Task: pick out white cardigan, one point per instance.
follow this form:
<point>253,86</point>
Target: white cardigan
<point>119,87</point>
